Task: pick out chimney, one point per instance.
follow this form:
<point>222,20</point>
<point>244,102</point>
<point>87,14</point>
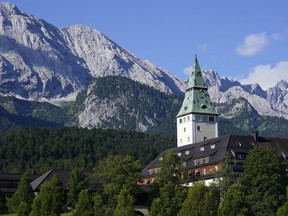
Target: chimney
<point>254,134</point>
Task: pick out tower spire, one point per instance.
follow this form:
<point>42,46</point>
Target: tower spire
<point>197,119</point>
<point>197,99</point>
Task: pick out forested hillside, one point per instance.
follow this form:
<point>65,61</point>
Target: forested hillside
<point>42,149</point>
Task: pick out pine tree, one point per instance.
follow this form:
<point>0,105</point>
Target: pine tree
<point>50,200</point>
<point>24,196</point>
<point>84,205</point>
<point>125,204</point>
<point>77,183</point>
<point>98,205</point>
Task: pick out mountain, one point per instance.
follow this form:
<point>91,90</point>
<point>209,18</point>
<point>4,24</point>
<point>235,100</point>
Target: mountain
<point>90,81</point>
<point>272,102</point>
<point>41,62</point>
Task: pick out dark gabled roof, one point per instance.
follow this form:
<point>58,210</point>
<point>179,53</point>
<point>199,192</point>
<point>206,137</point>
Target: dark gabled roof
<point>278,144</point>
<point>195,151</point>
<point>217,148</point>
<point>17,176</point>
<point>64,176</point>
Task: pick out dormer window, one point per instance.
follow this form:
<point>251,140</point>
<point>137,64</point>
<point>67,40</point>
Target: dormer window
<point>202,148</point>
<point>179,154</point>
<point>212,146</point>
<point>187,152</point>
<point>201,161</point>
<point>195,162</point>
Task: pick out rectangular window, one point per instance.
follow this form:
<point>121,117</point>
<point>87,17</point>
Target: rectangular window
<point>211,119</point>
<point>184,129</point>
<point>188,139</point>
<point>188,118</point>
<point>201,161</point>
<point>198,128</point>
<point>184,164</point>
<point>204,138</point>
<point>216,168</point>
<point>204,171</point>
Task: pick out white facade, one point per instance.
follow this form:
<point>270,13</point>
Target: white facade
<point>194,128</point>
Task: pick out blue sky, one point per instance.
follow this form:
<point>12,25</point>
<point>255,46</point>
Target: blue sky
<point>244,40</point>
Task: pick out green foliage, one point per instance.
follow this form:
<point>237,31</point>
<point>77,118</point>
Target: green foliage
<point>201,201</point>
<point>226,177</point>
<point>98,205</point>
<point>24,209</point>
<point>171,192</point>
<point>23,197</point>
<point>50,200</point>
<point>171,169</point>
<point>170,200</point>
<point>42,149</point>
<point>84,205</point>
<point>264,181</point>
<point>116,173</point>
<point>3,207</point>
<point>233,203</point>
<point>283,210</point>
<point>76,184</point>
<point>124,204</point>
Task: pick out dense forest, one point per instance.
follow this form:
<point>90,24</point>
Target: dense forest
<point>41,149</point>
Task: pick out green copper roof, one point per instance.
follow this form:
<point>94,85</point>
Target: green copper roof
<point>197,99</point>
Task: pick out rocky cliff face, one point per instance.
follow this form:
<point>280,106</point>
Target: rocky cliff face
<point>272,102</point>
<point>40,61</point>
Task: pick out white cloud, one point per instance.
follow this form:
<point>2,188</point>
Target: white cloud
<point>266,75</point>
<point>252,44</point>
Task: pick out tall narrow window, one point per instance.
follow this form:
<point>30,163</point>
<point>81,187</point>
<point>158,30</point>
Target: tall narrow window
<point>198,128</point>
<point>184,129</point>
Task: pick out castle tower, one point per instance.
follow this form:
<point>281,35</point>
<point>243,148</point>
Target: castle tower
<point>197,119</point>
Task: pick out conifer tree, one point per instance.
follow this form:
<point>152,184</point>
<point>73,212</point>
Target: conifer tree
<point>98,205</point>
<point>24,196</point>
<point>50,200</point>
<point>76,184</point>
<point>84,205</point>
<point>125,204</point>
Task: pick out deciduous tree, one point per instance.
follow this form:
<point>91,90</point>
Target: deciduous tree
<point>201,201</point>
<point>264,181</point>
<point>233,203</point>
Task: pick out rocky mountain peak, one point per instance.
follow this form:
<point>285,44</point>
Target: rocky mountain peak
<point>8,9</point>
